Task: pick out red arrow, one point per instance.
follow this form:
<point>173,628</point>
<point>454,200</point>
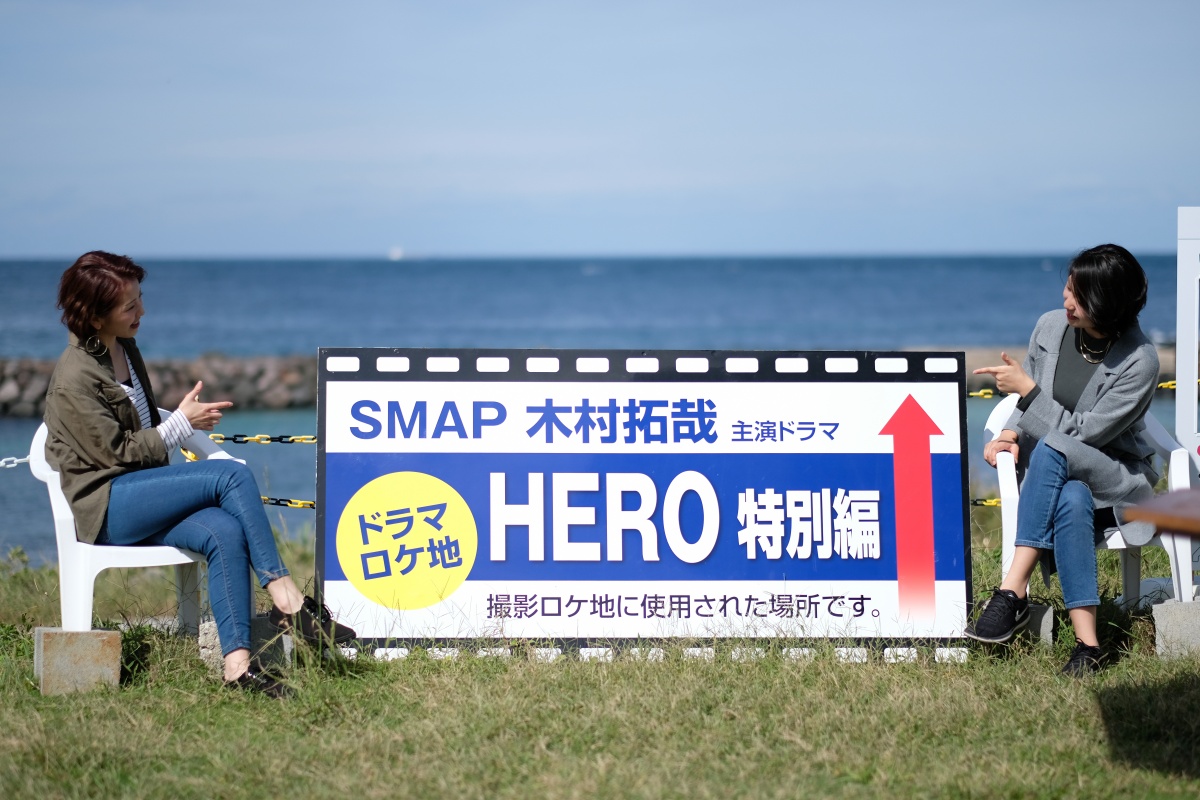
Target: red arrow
<point>910,428</point>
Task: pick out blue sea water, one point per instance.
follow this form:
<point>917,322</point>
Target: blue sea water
<point>290,306</point>
<point>269,307</point>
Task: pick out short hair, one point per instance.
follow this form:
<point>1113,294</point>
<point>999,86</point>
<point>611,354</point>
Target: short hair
<point>91,288</point>
<point>1110,285</point>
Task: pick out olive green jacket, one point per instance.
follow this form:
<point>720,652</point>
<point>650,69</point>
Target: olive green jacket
<point>93,433</point>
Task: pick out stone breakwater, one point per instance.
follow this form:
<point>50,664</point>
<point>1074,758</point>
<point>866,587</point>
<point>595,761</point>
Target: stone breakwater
<point>257,382</point>
<point>291,381</point>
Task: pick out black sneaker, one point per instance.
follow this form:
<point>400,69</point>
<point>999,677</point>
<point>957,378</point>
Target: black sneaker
<point>313,623</point>
<point>1003,615</point>
<point>1084,660</point>
<point>261,681</point>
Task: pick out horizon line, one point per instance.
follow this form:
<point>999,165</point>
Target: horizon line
<point>417,257</point>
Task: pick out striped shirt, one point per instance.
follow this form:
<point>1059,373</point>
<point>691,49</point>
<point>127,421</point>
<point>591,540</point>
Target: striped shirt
<point>175,427</point>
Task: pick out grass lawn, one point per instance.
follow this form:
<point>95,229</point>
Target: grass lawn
<point>1003,724</point>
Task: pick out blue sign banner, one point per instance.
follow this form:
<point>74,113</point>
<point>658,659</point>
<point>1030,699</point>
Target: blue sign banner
<point>588,496</point>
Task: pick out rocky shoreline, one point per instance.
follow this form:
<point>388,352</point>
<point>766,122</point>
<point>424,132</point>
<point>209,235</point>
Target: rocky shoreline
<point>271,382</point>
<point>275,382</point>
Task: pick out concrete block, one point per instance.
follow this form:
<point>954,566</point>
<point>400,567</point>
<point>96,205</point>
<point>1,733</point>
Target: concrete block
<point>272,648</point>
<point>1041,623</point>
<point>75,661</point>
<point>210,646</point>
<point>1177,628</point>
<point>1152,592</point>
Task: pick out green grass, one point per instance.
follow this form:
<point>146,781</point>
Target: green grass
<point>1004,724</point>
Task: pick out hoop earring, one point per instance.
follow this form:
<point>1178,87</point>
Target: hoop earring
<point>94,346</point>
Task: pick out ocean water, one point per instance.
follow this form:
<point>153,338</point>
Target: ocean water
<point>289,306</point>
<point>269,307</point>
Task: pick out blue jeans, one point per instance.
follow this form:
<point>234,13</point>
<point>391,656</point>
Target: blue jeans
<point>1057,513</point>
<point>212,508</point>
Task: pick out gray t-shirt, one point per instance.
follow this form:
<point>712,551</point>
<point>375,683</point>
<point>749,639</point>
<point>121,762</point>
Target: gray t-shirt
<point>1070,376</point>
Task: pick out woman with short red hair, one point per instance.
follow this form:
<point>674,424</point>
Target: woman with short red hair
<point>110,446</point>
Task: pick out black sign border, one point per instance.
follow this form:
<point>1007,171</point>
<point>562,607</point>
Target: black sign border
<point>518,370</point>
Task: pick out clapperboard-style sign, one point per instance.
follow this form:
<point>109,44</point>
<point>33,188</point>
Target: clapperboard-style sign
<point>593,496</point>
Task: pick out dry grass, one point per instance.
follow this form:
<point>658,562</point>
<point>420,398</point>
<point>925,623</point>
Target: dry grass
<point>1003,724</point>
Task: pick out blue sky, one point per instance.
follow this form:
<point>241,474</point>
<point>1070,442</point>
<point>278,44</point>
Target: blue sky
<point>605,128</point>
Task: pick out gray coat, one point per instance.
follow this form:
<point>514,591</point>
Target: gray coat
<point>1102,439</point>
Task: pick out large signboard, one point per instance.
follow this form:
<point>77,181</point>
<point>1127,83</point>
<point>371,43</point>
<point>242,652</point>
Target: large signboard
<point>592,496</point>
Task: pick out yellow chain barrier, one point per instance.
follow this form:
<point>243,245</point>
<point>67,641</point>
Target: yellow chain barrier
<point>288,503</point>
<point>261,438</point>
<point>990,502</point>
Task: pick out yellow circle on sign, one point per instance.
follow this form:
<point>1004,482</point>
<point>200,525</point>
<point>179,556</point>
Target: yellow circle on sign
<point>407,540</point>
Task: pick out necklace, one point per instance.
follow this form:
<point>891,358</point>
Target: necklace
<point>1089,354</point>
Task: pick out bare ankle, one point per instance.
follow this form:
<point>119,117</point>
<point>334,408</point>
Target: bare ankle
<point>237,663</point>
<point>1019,591</point>
<point>285,595</point>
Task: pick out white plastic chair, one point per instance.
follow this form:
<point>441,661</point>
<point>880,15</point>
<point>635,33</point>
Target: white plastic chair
<point>79,563</point>
<point>1182,552</point>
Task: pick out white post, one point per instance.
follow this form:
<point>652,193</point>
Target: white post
<point>1187,331</point>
